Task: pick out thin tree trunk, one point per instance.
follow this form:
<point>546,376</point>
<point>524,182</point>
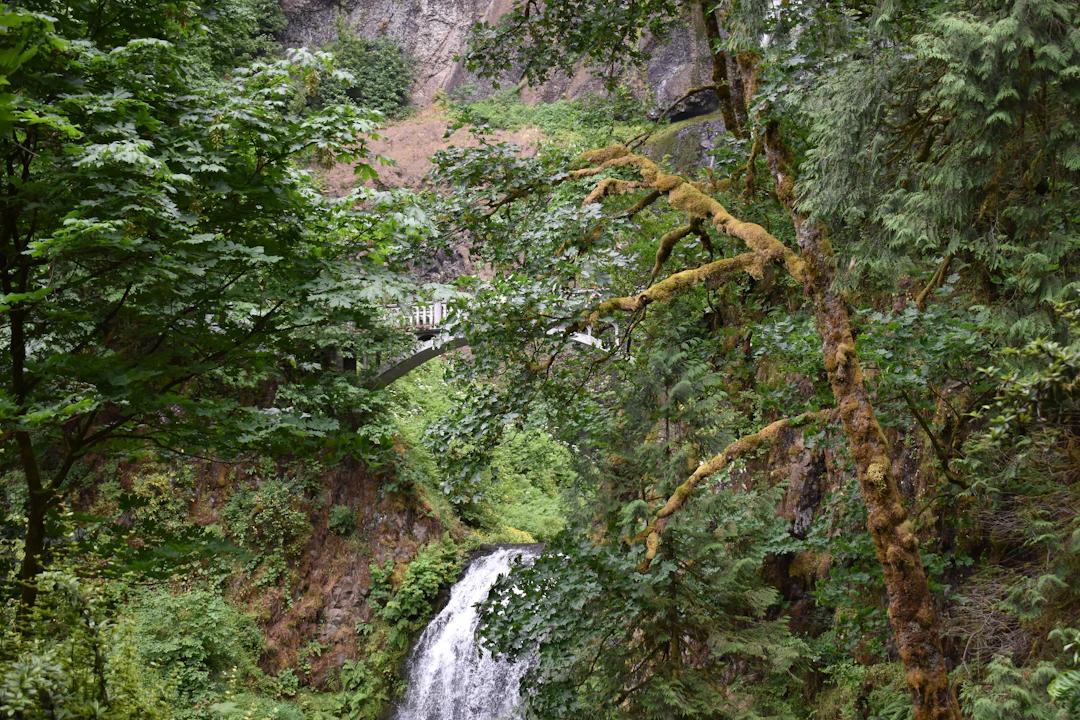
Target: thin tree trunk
<point>37,505</point>
<point>721,82</point>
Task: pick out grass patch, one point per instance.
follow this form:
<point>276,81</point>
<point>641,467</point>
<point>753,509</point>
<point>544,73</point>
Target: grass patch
<point>587,122</point>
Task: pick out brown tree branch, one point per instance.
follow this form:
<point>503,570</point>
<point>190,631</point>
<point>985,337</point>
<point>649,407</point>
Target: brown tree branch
<point>641,204</point>
<point>748,262</point>
<point>912,612</point>
<point>935,282</point>
<point>943,455</point>
<point>742,446</point>
<point>668,242</point>
<point>610,186</point>
<point>911,606</point>
<point>685,196</point>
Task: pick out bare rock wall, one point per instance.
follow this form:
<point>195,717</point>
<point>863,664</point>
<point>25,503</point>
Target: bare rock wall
<point>435,33</point>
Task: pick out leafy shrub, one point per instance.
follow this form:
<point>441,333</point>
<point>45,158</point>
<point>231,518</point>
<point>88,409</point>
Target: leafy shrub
<point>196,640</point>
<point>244,706</point>
<point>435,566</point>
<point>267,516</point>
<point>368,684</point>
<point>270,521</point>
<point>313,650</point>
<point>572,607</point>
<point>342,520</point>
<point>70,660</point>
<point>381,583</point>
<point>591,120</point>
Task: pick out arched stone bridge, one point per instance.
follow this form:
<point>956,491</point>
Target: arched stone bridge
<point>426,322</point>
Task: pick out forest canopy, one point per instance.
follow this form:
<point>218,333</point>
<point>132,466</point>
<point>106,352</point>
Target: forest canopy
<point>797,419</point>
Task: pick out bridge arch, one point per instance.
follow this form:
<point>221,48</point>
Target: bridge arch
<point>425,321</point>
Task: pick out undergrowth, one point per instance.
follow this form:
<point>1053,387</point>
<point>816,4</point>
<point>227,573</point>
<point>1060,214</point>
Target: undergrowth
<point>369,683</point>
<point>591,121</point>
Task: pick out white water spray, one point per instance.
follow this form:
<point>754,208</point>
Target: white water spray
<point>449,676</point>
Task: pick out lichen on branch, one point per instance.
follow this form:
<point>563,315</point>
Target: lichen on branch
<point>685,196</point>
<point>748,443</point>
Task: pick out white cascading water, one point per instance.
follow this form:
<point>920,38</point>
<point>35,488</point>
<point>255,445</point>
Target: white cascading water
<point>449,676</point>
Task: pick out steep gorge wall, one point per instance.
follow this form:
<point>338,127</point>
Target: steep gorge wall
<point>434,32</point>
<point>325,591</point>
<point>334,576</point>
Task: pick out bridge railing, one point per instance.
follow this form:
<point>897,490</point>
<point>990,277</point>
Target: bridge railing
<point>420,317</point>
<point>431,316</point>
<point>425,320</point>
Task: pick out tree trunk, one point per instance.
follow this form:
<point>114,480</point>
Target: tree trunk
<point>911,606</point>
<point>720,80</point>
<point>37,505</point>
<point>912,613</point>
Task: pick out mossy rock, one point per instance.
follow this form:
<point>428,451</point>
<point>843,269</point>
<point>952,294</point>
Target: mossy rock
<point>686,144</point>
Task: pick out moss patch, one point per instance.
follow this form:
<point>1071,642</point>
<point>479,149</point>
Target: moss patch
<point>681,141</point>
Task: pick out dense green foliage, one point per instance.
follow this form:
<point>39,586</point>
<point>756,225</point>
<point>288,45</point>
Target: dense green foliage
<point>196,641</point>
<point>173,277</point>
<point>376,74</point>
<point>174,285</point>
<point>518,494</point>
<point>239,31</point>
<point>180,300</point>
<point>588,616</point>
<point>936,144</point>
<point>589,122</point>
<point>370,682</point>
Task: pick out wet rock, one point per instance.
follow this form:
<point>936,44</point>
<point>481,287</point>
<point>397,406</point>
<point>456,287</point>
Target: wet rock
<point>687,146</point>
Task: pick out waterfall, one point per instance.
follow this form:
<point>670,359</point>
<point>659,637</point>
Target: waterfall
<point>449,677</point>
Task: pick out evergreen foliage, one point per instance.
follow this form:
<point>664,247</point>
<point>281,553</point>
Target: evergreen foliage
<point>375,74</point>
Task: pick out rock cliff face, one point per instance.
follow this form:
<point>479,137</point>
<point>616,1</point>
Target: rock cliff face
<point>327,593</point>
<point>685,145</point>
<point>334,577</point>
<point>434,32</point>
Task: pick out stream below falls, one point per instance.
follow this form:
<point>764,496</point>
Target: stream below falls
<point>449,676</point>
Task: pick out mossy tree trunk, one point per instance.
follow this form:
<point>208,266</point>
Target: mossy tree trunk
<point>911,607</point>
<point>912,613</point>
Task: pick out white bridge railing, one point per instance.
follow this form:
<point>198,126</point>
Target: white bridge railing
<point>433,315</point>
<point>421,317</point>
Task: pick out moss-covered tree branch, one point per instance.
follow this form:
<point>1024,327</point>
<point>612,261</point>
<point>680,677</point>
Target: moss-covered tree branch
<point>743,446</point>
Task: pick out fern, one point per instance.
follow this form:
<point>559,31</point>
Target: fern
<point>1065,691</point>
